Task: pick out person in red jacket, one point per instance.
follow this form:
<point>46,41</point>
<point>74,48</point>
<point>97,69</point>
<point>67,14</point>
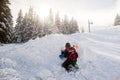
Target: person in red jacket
<point>71,55</point>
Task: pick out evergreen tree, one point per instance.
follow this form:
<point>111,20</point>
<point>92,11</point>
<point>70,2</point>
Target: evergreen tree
<point>5,22</point>
<point>65,25</point>
<point>73,26</point>
<point>18,27</point>
<point>38,27</point>
<point>58,23</point>
<point>117,20</point>
<point>30,13</point>
<point>28,25</point>
<point>23,27</point>
<point>46,27</point>
<point>50,19</point>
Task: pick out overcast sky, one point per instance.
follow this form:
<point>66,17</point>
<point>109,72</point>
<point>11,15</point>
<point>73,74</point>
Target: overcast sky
<point>100,12</point>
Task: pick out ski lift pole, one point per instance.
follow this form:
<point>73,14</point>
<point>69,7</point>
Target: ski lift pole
<point>89,25</point>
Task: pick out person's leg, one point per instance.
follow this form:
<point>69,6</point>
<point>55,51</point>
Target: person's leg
<point>74,63</point>
<point>66,64</point>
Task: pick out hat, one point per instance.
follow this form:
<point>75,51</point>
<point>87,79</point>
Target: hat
<point>67,45</point>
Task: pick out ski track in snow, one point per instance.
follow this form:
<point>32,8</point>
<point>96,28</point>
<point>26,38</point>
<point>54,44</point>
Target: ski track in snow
<point>99,57</point>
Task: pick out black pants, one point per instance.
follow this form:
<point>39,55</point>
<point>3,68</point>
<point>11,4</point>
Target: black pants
<point>66,64</point>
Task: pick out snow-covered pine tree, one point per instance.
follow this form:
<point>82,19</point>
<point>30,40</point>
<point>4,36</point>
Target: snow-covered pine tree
<point>73,26</point>
<point>65,25</point>
<point>38,27</point>
<point>50,18</point>
<point>18,28</point>
<point>49,22</point>
<point>5,22</point>
<point>23,27</point>
<point>117,20</point>
<point>45,27</point>
<point>58,22</point>
<point>28,25</point>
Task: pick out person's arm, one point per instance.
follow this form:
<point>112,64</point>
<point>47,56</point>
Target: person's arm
<point>66,53</point>
<point>62,52</point>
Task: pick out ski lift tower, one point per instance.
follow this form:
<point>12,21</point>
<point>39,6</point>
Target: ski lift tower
<point>89,23</point>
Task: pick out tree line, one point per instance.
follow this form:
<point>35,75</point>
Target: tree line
<point>30,25</point>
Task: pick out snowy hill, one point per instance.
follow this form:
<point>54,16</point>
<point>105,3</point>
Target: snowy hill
<point>99,57</point>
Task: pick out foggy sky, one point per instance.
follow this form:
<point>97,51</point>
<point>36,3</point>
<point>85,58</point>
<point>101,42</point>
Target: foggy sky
<point>100,12</point>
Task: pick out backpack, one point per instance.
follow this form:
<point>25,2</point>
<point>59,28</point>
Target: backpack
<point>72,54</point>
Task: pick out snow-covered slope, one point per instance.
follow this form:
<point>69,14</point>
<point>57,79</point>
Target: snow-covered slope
<point>99,57</point>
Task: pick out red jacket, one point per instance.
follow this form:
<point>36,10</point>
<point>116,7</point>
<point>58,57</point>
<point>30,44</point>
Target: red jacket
<point>70,53</point>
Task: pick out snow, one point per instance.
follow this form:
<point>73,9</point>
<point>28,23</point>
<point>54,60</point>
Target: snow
<point>8,70</point>
<point>42,75</point>
<point>99,57</point>
<point>3,25</point>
